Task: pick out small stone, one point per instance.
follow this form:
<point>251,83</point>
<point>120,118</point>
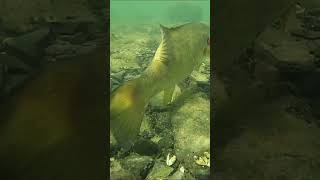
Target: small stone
<point>171,159</point>
<point>203,160</point>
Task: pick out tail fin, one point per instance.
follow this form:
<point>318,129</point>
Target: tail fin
<point>127,106</point>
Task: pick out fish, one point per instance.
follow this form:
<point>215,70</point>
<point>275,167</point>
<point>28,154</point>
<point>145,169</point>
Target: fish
<point>54,126</point>
<point>181,50</point>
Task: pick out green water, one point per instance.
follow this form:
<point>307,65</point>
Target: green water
<point>134,38</point>
<point>165,11</point>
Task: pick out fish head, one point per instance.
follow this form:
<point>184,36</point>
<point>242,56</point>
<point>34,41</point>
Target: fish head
<point>197,35</point>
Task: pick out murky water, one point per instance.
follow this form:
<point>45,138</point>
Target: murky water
<point>53,128</point>
<point>158,11</point>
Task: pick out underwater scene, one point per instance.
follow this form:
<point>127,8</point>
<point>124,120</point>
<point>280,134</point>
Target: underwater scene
<point>52,89</point>
<point>266,86</point>
<point>160,90</point>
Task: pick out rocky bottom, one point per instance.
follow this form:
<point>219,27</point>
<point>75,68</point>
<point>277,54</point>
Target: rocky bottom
<point>270,130</point>
<point>174,140</point>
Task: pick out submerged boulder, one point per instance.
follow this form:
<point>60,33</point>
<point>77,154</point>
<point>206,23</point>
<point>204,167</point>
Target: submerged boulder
<point>30,46</point>
<point>160,171</point>
<point>117,172</point>
<point>191,126</point>
<point>137,165</point>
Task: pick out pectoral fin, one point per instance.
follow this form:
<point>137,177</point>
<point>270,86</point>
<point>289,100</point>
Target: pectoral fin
<point>167,95</point>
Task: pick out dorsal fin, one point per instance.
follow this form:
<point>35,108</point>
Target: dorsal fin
<point>178,26</point>
<point>164,30</point>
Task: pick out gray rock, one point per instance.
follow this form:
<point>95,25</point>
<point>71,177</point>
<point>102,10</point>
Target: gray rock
<point>159,171</point>
<point>61,48</point>
<point>191,125</point>
<point>293,53</point>
<point>139,166</point>
<point>118,173</point>
<point>30,45</point>
<point>277,48</point>
<point>289,60</point>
